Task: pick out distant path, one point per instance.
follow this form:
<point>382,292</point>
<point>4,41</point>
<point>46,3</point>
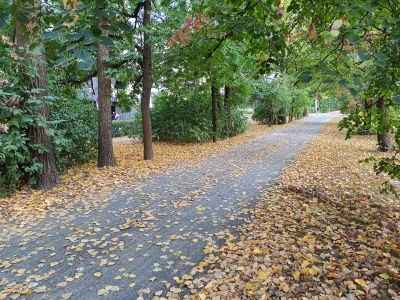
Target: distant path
<point>170,219</point>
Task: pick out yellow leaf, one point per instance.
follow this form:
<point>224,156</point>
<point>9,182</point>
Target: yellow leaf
<point>257,250</point>
<point>231,245</point>
<point>384,276</point>
<point>249,286</point>
<point>207,250</point>
<point>305,263</point>
<point>66,296</point>
<point>203,264</point>
<point>361,282</point>
<point>262,275</point>
<point>97,274</point>
<point>313,271</point>
<point>296,275</point>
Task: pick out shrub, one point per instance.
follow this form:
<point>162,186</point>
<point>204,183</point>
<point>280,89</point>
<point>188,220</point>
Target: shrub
<point>181,120</point>
<point>74,122</point>
<point>16,162</point>
<point>239,121</point>
<point>123,128</point>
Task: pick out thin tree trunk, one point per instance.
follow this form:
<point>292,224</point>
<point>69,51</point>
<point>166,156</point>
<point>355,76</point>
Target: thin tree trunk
<point>385,143</point>
<point>228,108</point>
<point>305,112</point>
<point>147,84</point>
<point>214,93</point>
<point>282,116</point>
<point>105,147</point>
<point>37,134</point>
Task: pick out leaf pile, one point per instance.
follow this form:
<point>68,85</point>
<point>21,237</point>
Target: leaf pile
<point>78,184</point>
<point>323,232</point>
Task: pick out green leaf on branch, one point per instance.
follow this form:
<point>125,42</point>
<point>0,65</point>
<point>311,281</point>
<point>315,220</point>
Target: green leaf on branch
<point>106,42</point>
<point>328,37</point>
<point>83,55</point>
<point>353,92</point>
<point>396,98</point>
<point>353,38</point>
<point>124,27</point>
<point>305,77</point>
<point>363,56</point>
<point>85,65</point>
<point>64,60</point>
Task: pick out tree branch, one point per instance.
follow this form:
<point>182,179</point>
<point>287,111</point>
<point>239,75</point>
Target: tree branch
<point>93,74</point>
<point>135,12</point>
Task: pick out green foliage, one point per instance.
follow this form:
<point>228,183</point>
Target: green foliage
<point>125,128</point>
<point>277,99</point>
<point>74,122</point>
<point>16,162</point>
<point>186,119</point>
<point>239,121</point>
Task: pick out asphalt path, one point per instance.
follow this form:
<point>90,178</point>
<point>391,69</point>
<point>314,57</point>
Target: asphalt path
<point>131,242</point>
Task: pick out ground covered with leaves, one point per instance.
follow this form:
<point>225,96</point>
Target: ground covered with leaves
<point>30,205</point>
<point>323,232</point>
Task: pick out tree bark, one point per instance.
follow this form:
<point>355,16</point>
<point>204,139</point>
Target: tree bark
<point>147,84</point>
<point>282,117</point>
<point>37,134</point>
<point>105,147</point>
<point>228,108</point>
<point>385,143</point>
<point>214,93</point>
<point>305,112</point>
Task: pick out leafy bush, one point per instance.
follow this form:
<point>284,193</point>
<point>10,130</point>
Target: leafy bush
<point>239,121</point>
<point>181,120</point>
<point>16,162</point>
<point>264,111</point>
<point>74,123</point>
<point>124,128</point>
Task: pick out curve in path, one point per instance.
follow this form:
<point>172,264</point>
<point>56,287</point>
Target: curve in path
<point>136,239</point>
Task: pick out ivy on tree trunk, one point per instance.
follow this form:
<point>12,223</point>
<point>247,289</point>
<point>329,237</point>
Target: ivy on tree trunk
<point>25,36</point>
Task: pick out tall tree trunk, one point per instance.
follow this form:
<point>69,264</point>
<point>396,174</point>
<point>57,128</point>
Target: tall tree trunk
<point>228,108</point>
<point>37,59</point>
<point>147,84</point>
<point>282,116</point>
<point>305,112</point>
<point>214,92</point>
<point>384,137</point>
<point>105,147</point>
<point>316,103</point>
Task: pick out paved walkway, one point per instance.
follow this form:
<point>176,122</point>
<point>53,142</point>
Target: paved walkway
<point>137,239</point>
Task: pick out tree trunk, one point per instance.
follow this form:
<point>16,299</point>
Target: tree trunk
<point>147,84</point>
<point>305,112</point>
<point>282,116</point>
<point>228,108</point>
<point>105,147</point>
<point>214,93</point>
<point>384,137</point>
<point>37,134</point>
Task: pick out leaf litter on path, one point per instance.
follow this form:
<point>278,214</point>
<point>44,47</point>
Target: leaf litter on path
<point>323,232</point>
<point>78,183</point>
